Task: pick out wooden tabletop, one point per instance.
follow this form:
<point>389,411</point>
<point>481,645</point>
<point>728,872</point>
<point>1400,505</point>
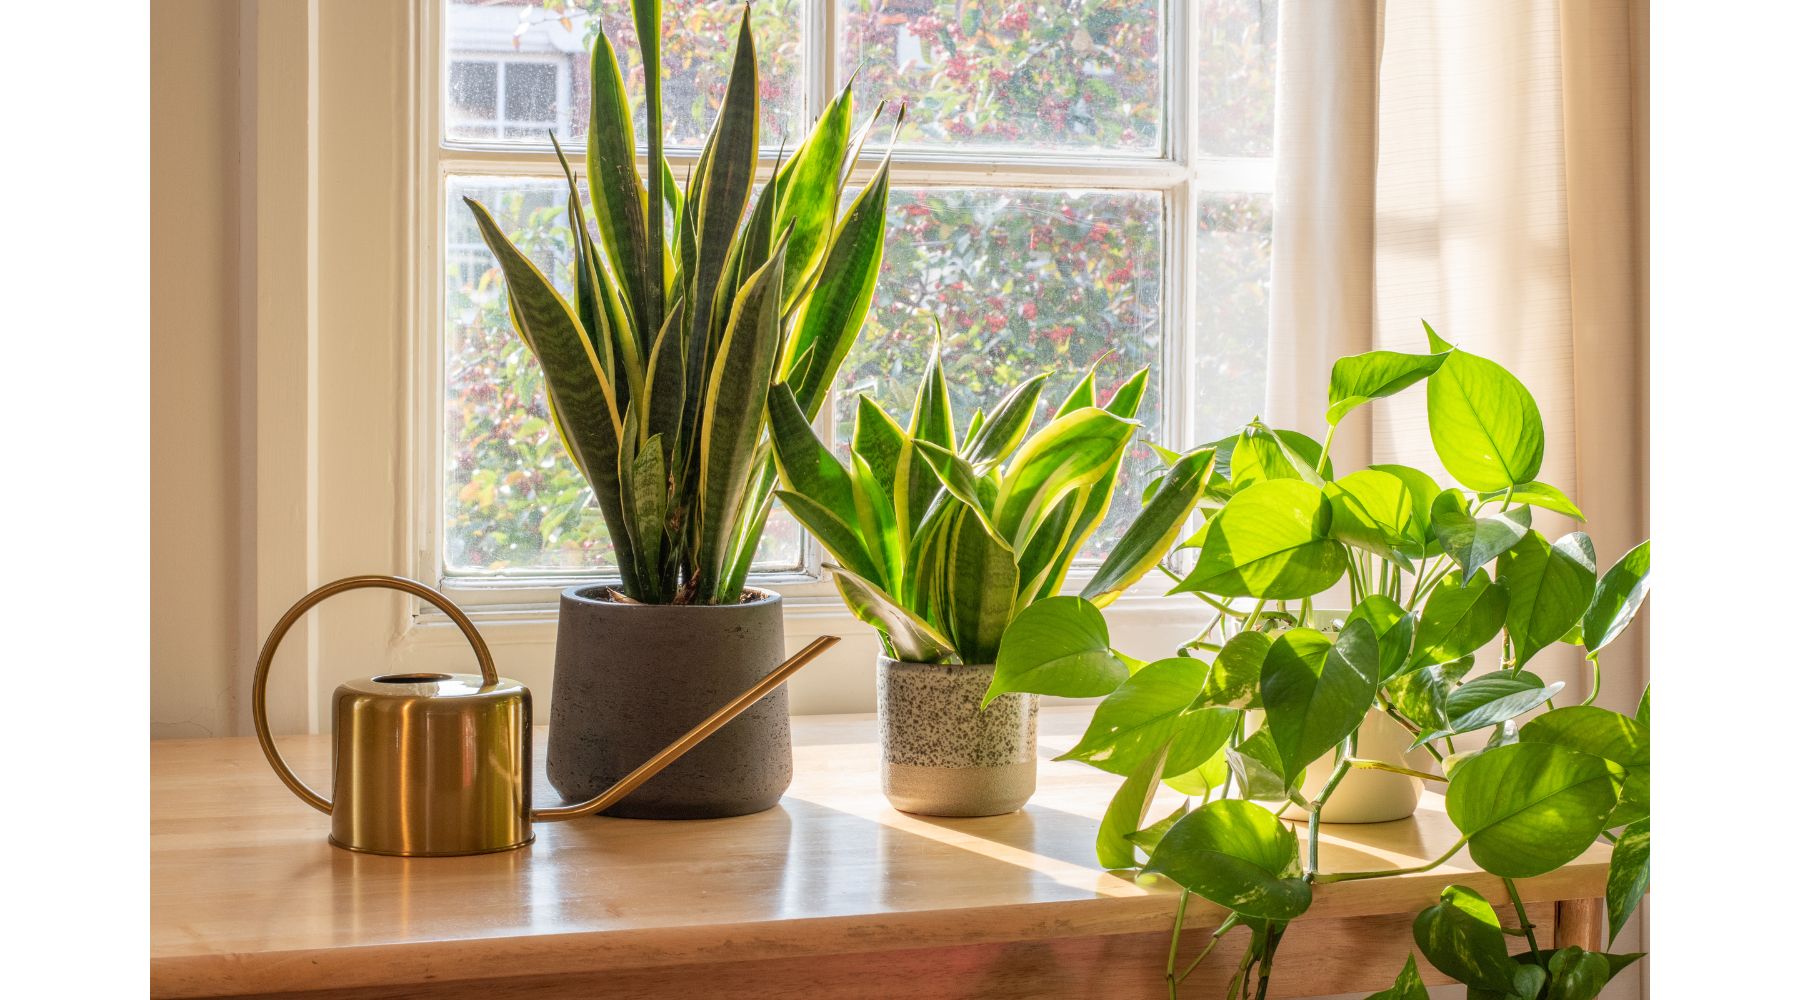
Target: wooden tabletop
<point>246,896</point>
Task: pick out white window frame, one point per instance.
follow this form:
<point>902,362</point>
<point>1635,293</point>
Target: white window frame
<point>1175,172</point>
<point>342,364</point>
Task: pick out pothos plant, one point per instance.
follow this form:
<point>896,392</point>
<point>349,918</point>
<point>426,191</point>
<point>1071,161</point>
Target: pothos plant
<point>1435,576</point>
<point>693,301</point>
<point>937,544</point>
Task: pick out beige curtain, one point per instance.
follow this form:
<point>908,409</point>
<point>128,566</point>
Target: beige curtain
<point>1480,165</point>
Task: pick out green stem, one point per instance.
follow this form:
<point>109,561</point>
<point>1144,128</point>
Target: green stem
<point>1267,962</point>
<point>1345,754</point>
<point>1175,943</point>
<point>1217,936</point>
<point>1594,658</point>
<point>1238,983</point>
<point>1325,449</point>
<point>1358,876</point>
<point>1524,921</point>
<point>1409,727</point>
<point>1221,606</point>
<point>1382,765</point>
<point>1250,619</point>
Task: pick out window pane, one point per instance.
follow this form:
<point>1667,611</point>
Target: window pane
<point>1078,74</point>
<point>531,93</point>
<point>698,39</point>
<point>474,87</point>
<point>1023,281</point>
<point>1231,307</point>
<point>513,503</point>
<point>1236,76</point>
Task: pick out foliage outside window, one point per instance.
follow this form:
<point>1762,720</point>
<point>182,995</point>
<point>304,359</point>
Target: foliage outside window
<point>1001,224</point>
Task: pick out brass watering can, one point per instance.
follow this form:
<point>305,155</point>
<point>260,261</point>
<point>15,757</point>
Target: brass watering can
<point>438,765</point>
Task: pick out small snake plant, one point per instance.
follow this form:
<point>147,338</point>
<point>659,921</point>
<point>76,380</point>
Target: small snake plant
<point>939,545</point>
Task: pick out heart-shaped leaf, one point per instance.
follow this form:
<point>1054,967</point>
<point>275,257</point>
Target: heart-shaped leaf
<point>1357,379</point>
<point>1407,985</point>
<point>1460,934</point>
<point>1236,677</point>
<point>1617,599</point>
<point>1317,691</point>
<point>1627,876</point>
<point>1531,808</point>
<point>1057,646</point>
<point>1256,766</point>
<point>1484,424</point>
<point>1490,700</point>
<point>1459,618</point>
<point>1151,835</point>
<point>1618,738</point>
<point>1423,693</point>
<point>1153,709</point>
<point>1204,779</point>
<point>1548,588</point>
<point>1271,541</point>
<point>1578,975</point>
<point>1394,628</point>
<point>1238,855</point>
<point>1475,541</point>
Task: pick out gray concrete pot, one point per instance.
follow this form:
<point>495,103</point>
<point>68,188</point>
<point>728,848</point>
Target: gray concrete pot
<point>632,678</point>
<point>941,755</point>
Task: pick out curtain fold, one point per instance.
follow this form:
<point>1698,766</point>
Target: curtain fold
<point>1481,166</point>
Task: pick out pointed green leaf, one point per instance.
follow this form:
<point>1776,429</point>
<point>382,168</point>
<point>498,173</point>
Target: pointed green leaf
<point>1129,395</point>
<point>1489,700</point>
<point>1360,378</point>
<point>1394,628</point>
<point>808,467</point>
<point>1236,677</point>
<point>1372,511</point>
<point>1475,541</point>
<point>1002,432</point>
<point>875,520</point>
<point>980,583</point>
<point>931,418</point>
<point>1423,490</point>
<point>1461,936</point>
<point>1423,694</point>
<point>1261,454</point>
<point>1155,709</point>
<point>958,477</point>
<point>1484,424</point>
<point>732,415</point>
<point>1154,530</point>
<point>1256,767</point>
<point>1238,855</point>
<point>1072,451</point>
<point>1459,618</point>
<point>1057,646</point>
<point>1151,835</point>
<point>809,195</point>
<point>1537,494</point>
<point>614,186</point>
<point>1530,808</point>
<point>1548,587</point>
<point>1271,541</point>
<point>911,637</point>
<point>1317,691</point>
<point>1407,985</point>
<point>1619,738</point>
<point>1617,599</point>
<point>1627,876</point>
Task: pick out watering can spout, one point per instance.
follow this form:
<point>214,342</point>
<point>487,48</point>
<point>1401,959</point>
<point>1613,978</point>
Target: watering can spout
<point>692,738</point>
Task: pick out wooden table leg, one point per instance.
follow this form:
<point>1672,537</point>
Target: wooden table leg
<point>1581,922</point>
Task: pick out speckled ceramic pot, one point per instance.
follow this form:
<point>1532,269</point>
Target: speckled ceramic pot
<point>631,678</point>
<point>941,754</point>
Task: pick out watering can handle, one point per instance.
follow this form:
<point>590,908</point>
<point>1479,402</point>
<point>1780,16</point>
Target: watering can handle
<point>259,693</point>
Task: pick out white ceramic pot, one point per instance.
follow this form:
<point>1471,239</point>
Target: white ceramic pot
<point>1367,795</point>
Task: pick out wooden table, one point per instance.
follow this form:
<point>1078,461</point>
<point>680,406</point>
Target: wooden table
<point>830,894</point>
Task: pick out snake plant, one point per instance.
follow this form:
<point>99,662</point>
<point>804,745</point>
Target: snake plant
<point>939,544</point>
<point>691,303</point>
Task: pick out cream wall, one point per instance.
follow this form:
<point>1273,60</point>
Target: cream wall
<point>194,369</point>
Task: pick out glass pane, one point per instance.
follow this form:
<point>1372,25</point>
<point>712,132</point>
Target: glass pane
<point>1074,74</point>
<point>474,87</point>
<point>513,503</point>
<point>1231,311</point>
<point>1023,281</point>
<point>698,39</point>
<point>531,93</point>
<point>1236,76</point>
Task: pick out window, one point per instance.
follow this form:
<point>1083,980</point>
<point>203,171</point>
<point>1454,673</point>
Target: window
<point>1078,183</point>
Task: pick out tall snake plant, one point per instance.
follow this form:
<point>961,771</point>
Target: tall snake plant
<point>691,304</point>
<point>940,545</point>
